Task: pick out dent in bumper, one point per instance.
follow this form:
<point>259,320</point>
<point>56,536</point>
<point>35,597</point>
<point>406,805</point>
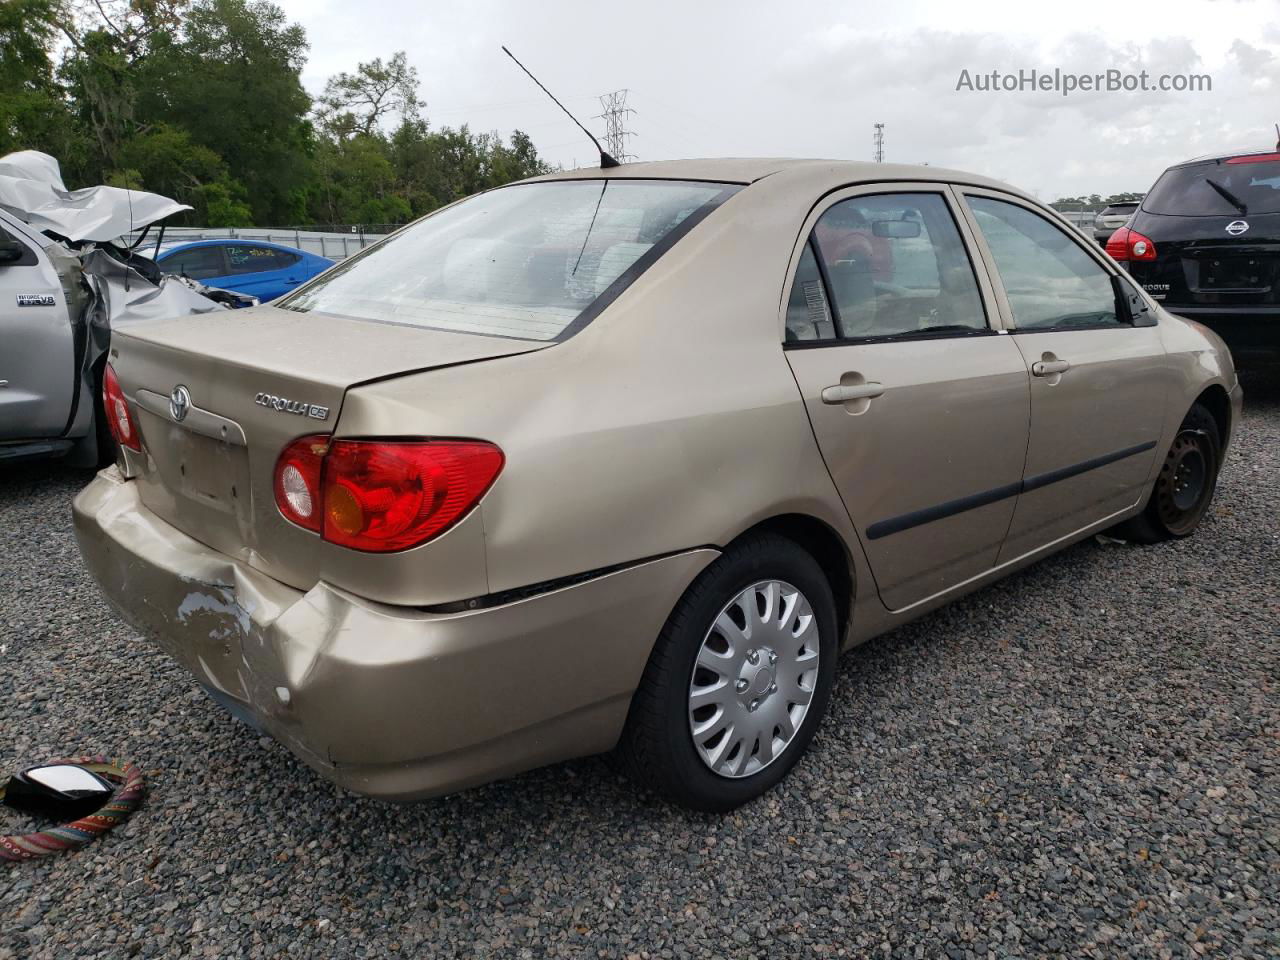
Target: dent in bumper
<point>388,701</point>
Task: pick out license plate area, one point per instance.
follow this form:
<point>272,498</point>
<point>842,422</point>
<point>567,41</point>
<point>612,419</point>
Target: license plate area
<point>1237,274</point>
<point>191,468</point>
<point>212,472</point>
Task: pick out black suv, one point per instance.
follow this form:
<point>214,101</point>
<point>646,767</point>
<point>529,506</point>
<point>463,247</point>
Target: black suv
<point>1206,243</point>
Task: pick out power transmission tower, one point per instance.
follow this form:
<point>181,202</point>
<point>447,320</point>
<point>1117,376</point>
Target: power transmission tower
<point>615,116</point>
<point>878,140</point>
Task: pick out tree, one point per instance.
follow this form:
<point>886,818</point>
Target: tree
<point>230,78</point>
<point>358,103</point>
<point>33,110</point>
<point>201,100</point>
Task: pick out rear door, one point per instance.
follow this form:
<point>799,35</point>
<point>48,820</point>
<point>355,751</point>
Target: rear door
<point>1098,382</point>
<point>37,347</point>
<point>919,402</point>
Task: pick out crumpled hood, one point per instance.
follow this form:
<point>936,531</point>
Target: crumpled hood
<point>31,189</point>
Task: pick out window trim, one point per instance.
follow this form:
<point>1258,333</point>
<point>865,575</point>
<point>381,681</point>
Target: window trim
<point>1052,217</point>
<point>992,315</point>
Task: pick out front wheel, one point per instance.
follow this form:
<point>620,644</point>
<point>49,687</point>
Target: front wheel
<point>1185,484</point>
<point>739,678</point>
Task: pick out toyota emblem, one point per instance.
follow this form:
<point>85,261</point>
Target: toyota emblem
<point>1237,227</point>
<point>179,403</point>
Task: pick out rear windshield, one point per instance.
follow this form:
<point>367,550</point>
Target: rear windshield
<point>1220,188</point>
<point>525,261</point>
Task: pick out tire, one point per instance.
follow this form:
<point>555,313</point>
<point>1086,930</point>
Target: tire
<point>1184,487</point>
<point>744,696</point>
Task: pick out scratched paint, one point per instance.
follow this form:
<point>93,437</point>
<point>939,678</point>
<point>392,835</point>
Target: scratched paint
<point>196,602</point>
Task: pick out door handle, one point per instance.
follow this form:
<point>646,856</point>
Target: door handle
<point>843,393</point>
<point>1048,368</point>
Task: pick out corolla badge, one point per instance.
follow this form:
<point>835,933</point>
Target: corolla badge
<point>179,403</point>
<point>285,405</point>
<point>1237,227</point>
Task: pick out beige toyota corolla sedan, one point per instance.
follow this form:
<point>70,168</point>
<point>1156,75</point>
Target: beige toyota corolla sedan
<point>620,460</point>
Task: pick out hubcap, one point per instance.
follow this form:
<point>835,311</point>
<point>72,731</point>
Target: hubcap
<point>753,679</point>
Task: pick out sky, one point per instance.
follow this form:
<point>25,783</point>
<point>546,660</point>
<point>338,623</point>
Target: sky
<point>809,79</point>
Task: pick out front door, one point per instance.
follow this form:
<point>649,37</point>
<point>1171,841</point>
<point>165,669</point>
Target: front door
<point>1098,381</point>
<point>37,347</point>
<point>919,403</point>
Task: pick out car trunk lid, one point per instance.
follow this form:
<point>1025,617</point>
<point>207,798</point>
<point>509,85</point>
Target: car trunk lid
<point>254,381</point>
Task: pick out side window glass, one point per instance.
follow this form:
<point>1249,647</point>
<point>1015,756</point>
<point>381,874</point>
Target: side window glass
<point>897,267</point>
<point>242,258</point>
<point>281,259</point>
<point>808,316</point>
<point>1050,281</point>
<point>25,257</point>
<point>198,263</point>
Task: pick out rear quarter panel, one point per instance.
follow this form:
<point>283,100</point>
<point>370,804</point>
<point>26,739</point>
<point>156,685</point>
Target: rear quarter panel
<point>672,421</point>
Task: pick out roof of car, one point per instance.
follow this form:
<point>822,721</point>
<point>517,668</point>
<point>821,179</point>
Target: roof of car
<point>750,170</point>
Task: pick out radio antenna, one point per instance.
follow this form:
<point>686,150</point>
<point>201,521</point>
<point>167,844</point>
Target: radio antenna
<point>606,161</point>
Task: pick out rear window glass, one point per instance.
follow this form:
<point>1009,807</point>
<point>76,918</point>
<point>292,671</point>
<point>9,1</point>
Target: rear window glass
<point>523,261</point>
<point>1217,189</point>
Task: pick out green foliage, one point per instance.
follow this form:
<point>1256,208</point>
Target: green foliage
<point>201,100</point>
<point>33,111</point>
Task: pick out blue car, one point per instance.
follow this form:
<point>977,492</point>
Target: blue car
<point>260,269</point>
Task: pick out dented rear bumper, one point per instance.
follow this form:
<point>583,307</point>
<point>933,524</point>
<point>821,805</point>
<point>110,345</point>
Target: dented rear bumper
<point>392,702</point>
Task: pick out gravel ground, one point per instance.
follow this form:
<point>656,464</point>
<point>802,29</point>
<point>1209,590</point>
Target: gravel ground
<point>1083,760</point>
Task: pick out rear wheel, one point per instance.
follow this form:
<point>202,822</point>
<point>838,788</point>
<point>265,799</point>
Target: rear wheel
<point>738,681</point>
<point>1184,487</point>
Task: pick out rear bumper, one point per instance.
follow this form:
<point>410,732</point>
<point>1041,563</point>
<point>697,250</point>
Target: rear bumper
<point>1246,330</point>
<point>391,702</point>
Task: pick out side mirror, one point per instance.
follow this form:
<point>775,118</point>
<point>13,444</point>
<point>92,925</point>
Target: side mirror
<point>895,229</point>
<point>11,251</point>
<point>61,791</point>
<point>1131,305</point>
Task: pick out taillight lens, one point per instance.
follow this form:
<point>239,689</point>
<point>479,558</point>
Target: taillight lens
<point>124,430</point>
<point>297,480</point>
<point>1255,158</point>
<point>1128,244</point>
<point>380,495</point>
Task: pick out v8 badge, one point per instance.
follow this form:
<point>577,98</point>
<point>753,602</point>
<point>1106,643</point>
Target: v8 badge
<point>36,300</point>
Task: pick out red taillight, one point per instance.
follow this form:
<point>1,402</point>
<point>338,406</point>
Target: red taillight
<point>1256,158</point>
<point>1128,244</point>
<point>297,480</point>
<point>119,420</point>
<point>379,495</point>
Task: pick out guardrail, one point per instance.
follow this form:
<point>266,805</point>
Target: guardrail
<point>334,244</point>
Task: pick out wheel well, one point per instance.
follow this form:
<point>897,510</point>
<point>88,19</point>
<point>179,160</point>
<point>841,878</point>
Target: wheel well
<point>825,546</point>
<point>1215,400</point>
